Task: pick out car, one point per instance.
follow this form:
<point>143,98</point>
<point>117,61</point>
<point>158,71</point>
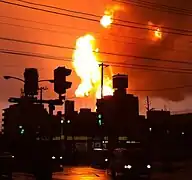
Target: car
<point>100,158</point>
<point>133,163</point>
<point>57,165</point>
<point>6,164</point>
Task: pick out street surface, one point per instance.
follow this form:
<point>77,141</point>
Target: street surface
<point>88,173</point>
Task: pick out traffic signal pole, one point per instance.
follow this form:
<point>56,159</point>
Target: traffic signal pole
<point>41,89</point>
<point>102,65</point>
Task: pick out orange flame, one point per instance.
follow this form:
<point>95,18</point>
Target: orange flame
<point>86,65</point>
<point>86,62</point>
<point>157,33</point>
<point>108,17</point>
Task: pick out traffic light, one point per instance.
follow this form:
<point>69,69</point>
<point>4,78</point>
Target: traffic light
<point>100,111</point>
<point>60,83</point>
<point>2,127</point>
<point>100,119</point>
<point>21,130</point>
<point>31,79</point>
<point>4,118</point>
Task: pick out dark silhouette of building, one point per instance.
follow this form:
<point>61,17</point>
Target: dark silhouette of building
<point>120,114</point>
<point>26,124</point>
<point>26,119</point>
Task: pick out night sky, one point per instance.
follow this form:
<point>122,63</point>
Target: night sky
<point>116,39</point>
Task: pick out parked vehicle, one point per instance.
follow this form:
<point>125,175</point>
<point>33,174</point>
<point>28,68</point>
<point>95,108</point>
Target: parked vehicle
<point>133,163</point>
<point>6,159</point>
<point>100,158</point>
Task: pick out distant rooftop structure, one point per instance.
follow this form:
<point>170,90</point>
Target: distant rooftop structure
<point>120,81</point>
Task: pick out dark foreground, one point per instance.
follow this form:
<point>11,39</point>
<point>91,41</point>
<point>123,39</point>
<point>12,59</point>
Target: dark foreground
<point>88,173</point>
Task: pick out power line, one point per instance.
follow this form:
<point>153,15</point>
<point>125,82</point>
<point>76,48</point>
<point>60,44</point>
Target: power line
<point>90,19</point>
<point>70,34</point>
<point>101,52</point>
<point>150,66</point>
<point>69,60</point>
<point>35,55</point>
<point>129,66</point>
<point>153,69</point>
<point>60,32</point>
<point>34,28</point>
<point>162,89</point>
<point>94,15</point>
<point>152,7</point>
<point>160,5</point>
<point>70,27</point>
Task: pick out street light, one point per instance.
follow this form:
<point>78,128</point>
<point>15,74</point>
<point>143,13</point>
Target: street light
<point>19,79</point>
<point>41,89</point>
<point>12,77</point>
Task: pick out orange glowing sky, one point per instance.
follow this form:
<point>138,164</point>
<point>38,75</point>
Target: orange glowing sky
<point>66,35</point>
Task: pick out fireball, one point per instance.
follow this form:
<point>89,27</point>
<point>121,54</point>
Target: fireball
<point>86,65</point>
<point>158,33</point>
<point>108,16</point>
<point>155,31</point>
<point>107,19</point>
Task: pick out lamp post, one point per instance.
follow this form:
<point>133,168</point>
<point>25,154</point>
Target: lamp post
<point>41,89</point>
<point>12,77</point>
<point>19,79</point>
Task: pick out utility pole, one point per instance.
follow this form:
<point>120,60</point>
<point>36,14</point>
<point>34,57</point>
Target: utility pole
<point>22,93</point>
<point>41,93</point>
<point>148,104</point>
<point>102,65</point>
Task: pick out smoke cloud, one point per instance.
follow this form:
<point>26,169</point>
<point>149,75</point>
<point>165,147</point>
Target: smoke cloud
<point>173,47</point>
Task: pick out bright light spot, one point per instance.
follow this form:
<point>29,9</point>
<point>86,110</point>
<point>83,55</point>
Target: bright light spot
<point>127,166</point>
<point>106,20</point>
<point>158,33</point>
<point>106,160</point>
<point>20,127</point>
<point>100,122</point>
<point>155,31</point>
<point>61,157</point>
<point>148,166</point>
<point>62,121</point>
<point>13,156</point>
<point>68,121</point>
<point>22,131</point>
<point>183,133</point>
<point>97,149</point>
<point>99,116</point>
<point>53,157</point>
<point>108,16</point>
<point>150,129</point>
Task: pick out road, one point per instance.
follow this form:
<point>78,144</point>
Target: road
<point>81,173</point>
<point>88,173</point>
